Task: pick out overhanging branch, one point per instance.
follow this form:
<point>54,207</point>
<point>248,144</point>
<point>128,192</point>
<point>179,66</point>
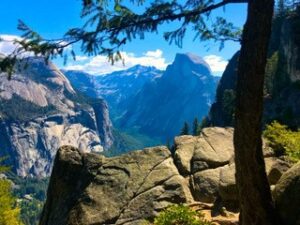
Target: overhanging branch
<point>176,16</point>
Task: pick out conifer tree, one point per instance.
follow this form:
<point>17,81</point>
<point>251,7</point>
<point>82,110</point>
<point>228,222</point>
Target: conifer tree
<point>185,129</point>
<point>204,123</point>
<point>281,7</point>
<point>196,127</point>
<point>168,144</point>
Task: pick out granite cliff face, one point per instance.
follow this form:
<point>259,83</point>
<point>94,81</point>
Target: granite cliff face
<point>40,111</point>
<point>88,189</point>
<point>282,78</point>
<point>221,112</point>
<point>287,196</point>
<point>92,189</point>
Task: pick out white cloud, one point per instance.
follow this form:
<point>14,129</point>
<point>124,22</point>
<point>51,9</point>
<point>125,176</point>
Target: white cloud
<point>216,63</point>
<point>7,44</point>
<point>68,48</point>
<point>99,65</point>
<point>155,54</point>
<point>81,58</point>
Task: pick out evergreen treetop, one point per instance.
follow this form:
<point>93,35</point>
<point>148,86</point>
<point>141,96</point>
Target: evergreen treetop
<point>185,129</point>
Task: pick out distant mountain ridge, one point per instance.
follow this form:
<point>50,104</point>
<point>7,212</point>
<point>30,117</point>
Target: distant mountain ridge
<point>115,87</point>
<point>154,102</point>
<point>41,111</point>
<point>184,92</point>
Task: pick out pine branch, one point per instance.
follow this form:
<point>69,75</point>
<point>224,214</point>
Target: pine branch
<point>175,16</point>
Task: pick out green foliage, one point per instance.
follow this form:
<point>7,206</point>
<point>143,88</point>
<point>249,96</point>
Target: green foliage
<point>296,84</point>
<point>18,109</point>
<point>9,211</point>
<point>196,127</point>
<point>288,115</point>
<point>31,209</point>
<point>81,98</point>
<point>277,77</point>
<point>296,33</point>
<point>171,146</point>
<point>204,123</point>
<point>228,105</point>
<point>130,140</point>
<point>180,215</point>
<point>35,187</point>
<point>185,130</point>
<point>3,168</point>
<point>271,69</point>
<point>283,140</point>
<point>8,64</point>
<point>168,144</point>
<point>281,77</point>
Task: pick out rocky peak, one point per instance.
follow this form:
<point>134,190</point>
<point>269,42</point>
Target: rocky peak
<point>46,72</point>
<point>40,83</point>
<point>184,92</point>
<point>137,69</point>
<point>184,63</point>
<point>189,57</point>
<point>116,88</point>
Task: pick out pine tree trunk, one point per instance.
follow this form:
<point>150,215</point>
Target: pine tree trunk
<point>256,203</point>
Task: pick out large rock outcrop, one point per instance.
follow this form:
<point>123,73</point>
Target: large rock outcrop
<point>40,111</point>
<point>287,196</point>
<point>207,161</point>
<point>88,189</point>
<point>91,189</point>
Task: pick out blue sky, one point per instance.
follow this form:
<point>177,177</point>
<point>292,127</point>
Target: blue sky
<point>52,18</point>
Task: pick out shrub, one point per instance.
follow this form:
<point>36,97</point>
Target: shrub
<point>180,215</point>
<point>283,140</point>
<point>9,210</point>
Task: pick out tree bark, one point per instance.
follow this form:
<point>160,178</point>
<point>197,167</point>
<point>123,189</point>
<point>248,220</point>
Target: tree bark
<point>256,203</point>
